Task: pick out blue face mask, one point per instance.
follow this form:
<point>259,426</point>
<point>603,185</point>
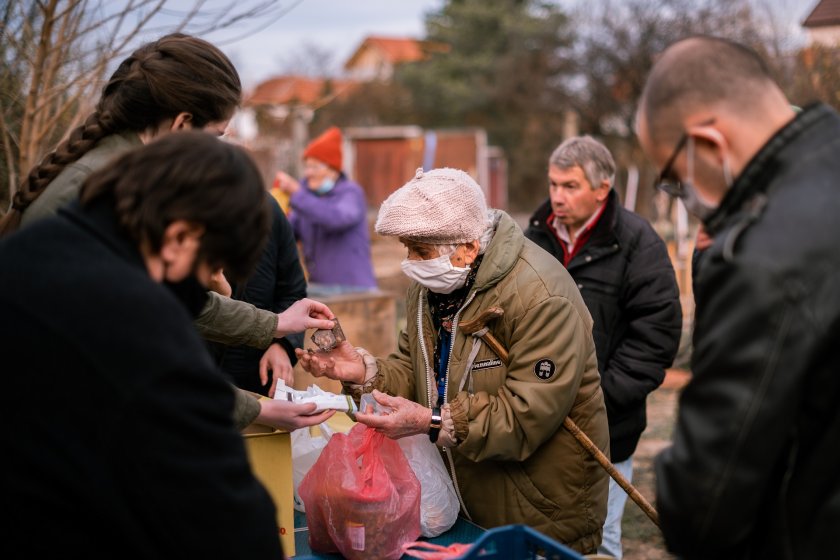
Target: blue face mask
<point>326,186</point>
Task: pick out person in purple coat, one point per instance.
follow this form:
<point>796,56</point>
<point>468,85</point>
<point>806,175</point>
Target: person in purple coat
<point>329,217</point>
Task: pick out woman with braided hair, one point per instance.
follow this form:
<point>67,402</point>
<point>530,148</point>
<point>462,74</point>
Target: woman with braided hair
<point>178,82</point>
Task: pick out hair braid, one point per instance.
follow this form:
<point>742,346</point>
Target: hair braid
<point>177,73</point>
<point>78,143</point>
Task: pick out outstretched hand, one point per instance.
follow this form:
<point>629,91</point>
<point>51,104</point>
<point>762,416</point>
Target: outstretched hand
<point>304,314</point>
<point>342,363</point>
<point>286,182</point>
<point>289,416</point>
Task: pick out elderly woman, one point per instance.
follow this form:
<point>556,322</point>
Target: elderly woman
<point>498,422</point>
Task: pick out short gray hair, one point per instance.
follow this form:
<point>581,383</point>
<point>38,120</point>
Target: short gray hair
<point>591,156</point>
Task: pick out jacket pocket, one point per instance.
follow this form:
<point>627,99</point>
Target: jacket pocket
<point>526,487</point>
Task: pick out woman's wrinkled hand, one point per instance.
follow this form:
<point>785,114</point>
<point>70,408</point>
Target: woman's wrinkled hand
<point>406,419</point>
<point>342,363</point>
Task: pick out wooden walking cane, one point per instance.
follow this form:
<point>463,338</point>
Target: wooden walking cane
<point>475,326</point>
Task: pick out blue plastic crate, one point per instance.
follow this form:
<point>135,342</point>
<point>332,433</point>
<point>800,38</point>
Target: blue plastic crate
<point>518,542</point>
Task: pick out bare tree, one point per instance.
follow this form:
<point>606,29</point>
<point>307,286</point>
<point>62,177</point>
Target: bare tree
<point>55,55</point>
<point>309,59</point>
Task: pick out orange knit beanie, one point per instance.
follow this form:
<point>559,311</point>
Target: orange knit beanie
<point>326,148</point>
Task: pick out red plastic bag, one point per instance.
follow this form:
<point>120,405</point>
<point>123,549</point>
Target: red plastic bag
<point>362,499</point>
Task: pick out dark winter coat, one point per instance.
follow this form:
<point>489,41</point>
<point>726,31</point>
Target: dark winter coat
<point>753,472</point>
<point>117,435</point>
<point>276,283</point>
<point>625,276</point>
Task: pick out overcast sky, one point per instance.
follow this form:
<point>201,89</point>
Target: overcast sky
<point>338,26</point>
<point>263,49</point>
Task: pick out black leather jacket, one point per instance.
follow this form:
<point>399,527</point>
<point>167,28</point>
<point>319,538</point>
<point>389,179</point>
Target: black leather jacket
<point>754,471</point>
<point>626,279</point>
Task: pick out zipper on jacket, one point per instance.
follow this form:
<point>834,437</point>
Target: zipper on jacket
<point>420,335</point>
<point>422,338</point>
<point>446,450</point>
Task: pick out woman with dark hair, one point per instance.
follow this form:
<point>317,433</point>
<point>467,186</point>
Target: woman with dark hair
<point>176,83</point>
<point>125,442</point>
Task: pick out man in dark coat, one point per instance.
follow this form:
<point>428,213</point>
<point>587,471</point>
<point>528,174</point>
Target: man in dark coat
<point>277,282</point>
<point>117,428</point>
<point>752,472</point>
<point>623,271</point>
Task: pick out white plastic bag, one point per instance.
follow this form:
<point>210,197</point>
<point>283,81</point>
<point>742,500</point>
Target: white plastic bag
<point>307,444</point>
<point>438,502</point>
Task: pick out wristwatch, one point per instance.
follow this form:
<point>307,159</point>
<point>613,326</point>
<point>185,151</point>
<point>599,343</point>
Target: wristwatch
<point>434,425</point>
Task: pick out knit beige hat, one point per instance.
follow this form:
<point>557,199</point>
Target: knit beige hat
<point>440,206</point>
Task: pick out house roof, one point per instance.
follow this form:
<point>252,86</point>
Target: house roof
<point>283,90</point>
<point>395,50</point>
<point>825,13</point>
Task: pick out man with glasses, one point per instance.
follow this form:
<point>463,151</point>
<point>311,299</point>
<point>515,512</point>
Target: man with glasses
<point>752,472</point>
<point>622,269</point>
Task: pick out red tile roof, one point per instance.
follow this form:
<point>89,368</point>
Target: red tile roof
<point>825,13</point>
<point>283,90</point>
<point>395,50</point>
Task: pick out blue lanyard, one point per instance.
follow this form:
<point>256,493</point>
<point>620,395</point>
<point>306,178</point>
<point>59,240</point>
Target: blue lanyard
<point>445,342</point>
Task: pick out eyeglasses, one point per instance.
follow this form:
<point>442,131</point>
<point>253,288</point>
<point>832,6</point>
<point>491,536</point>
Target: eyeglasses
<point>667,182</point>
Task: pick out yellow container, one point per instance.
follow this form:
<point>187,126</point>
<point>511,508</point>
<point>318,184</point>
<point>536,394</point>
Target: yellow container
<point>270,455</point>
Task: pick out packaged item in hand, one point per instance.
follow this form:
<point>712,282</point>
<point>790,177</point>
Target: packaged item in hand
<point>362,499</point>
<point>323,400</point>
<point>367,400</point>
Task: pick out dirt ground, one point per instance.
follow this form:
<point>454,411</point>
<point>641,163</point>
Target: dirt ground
<point>641,539</point>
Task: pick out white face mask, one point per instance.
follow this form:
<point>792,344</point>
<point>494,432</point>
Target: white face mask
<point>438,274</point>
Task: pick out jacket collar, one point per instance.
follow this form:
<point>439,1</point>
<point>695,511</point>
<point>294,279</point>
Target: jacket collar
<point>759,172</point>
<point>502,252</point>
<point>100,220</point>
<point>604,231</point>
<point>602,234</point>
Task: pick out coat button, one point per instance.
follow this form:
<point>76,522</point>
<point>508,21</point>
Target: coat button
<point>580,286</point>
<point>588,258</point>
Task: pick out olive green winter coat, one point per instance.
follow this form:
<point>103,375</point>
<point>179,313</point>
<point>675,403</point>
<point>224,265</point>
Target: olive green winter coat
<point>516,463</point>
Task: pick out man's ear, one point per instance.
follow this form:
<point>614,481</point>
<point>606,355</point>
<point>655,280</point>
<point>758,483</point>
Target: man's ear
<point>182,121</point>
<point>603,190</point>
<point>706,135</point>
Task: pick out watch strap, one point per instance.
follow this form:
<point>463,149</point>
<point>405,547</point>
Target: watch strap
<point>435,424</point>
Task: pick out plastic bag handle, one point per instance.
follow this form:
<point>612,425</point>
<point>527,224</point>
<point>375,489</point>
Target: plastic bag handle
<point>371,440</point>
<point>434,551</point>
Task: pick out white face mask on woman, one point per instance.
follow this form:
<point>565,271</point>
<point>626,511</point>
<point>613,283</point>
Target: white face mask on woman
<point>438,274</point>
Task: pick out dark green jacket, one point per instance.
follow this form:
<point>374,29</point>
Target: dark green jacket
<point>516,462</point>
